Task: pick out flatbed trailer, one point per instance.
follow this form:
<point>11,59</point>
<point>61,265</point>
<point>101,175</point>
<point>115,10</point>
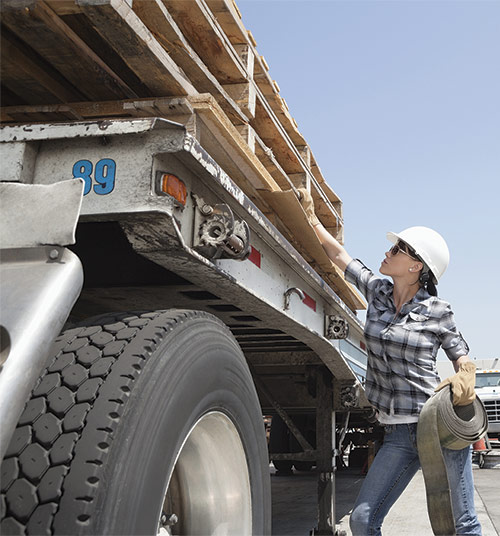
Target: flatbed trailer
<point>142,250</point>
<point>155,306</point>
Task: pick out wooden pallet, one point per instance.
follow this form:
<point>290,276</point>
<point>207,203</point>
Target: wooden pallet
<point>188,60</point>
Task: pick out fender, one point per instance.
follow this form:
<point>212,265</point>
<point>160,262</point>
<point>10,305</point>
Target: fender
<point>40,282</point>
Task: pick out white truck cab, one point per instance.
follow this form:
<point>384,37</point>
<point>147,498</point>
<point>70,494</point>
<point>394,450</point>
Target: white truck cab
<point>488,390</point>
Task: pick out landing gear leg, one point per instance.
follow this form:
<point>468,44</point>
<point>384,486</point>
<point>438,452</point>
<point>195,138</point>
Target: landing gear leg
<point>325,441</point>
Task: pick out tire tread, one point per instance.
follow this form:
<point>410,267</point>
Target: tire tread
<point>66,429</point>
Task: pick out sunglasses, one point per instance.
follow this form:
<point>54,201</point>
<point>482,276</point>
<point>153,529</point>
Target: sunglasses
<point>401,248</point>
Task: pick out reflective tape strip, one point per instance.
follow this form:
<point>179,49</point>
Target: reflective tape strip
<point>310,302</point>
<point>255,256</point>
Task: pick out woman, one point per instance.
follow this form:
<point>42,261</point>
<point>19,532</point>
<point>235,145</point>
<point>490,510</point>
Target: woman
<point>406,324</point>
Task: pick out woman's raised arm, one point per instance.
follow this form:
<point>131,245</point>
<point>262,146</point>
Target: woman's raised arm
<point>332,247</point>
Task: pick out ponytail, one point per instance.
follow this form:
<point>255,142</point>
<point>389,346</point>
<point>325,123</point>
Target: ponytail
<point>427,281</point>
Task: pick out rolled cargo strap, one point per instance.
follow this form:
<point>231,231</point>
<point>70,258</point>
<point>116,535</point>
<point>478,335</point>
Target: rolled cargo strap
<point>454,427</point>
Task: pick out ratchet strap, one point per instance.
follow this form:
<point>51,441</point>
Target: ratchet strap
<point>443,425</point>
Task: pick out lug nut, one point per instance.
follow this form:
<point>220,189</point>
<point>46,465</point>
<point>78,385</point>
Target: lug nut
<point>167,520</point>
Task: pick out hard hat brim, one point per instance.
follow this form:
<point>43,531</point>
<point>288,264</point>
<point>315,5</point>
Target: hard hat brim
<point>393,237</point>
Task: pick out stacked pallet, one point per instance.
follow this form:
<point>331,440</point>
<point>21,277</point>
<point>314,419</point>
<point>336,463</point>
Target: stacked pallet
<point>190,61</point>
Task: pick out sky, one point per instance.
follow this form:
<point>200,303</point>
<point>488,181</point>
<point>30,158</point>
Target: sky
<point>400,104</point>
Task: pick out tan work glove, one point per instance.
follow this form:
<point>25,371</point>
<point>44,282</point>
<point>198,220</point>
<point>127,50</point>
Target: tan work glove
<point>462,384</point>
<point>307,203</point>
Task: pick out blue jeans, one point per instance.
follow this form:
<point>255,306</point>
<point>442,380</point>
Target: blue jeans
<point>391,471</point>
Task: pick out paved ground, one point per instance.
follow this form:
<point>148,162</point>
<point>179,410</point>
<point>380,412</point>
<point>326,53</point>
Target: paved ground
<point>294,503</point>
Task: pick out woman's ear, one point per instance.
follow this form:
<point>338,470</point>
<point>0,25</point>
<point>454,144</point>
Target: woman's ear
<point>416,267</point>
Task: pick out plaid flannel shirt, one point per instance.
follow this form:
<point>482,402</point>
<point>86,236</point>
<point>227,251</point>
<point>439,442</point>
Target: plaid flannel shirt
<point>402,347</point>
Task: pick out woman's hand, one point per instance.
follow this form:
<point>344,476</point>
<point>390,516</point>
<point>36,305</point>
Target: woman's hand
<point>462,383</point>
<point>307,203</point>
<point>332,247</point>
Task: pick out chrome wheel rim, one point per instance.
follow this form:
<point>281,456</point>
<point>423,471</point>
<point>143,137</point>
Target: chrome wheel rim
<point>209,489</point>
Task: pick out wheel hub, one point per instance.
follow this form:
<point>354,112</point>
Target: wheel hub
<point>209,490</point>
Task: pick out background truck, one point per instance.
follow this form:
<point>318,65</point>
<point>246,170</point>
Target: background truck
<point>488,390</point>
<point>162,289</point>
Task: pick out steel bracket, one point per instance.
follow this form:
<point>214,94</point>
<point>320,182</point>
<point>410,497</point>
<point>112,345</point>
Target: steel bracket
<point>218,235</point>
<point>349,396</point>
<point>336,327</point>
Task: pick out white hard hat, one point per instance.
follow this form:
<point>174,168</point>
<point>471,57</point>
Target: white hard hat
<point>429,245</point>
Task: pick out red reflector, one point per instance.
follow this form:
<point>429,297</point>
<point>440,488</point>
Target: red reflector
<point>362,345</point>
<point>254,256</point>
<point>309,302</point>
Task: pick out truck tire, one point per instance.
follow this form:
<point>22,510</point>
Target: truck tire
<point>142,423</point>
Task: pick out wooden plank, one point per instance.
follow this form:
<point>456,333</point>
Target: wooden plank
<point>219,7</point>
<point>247,58</point>
<point>59,111</point>
<point>161,24</point>
<point>248,134</point>
<point>270,90</point>
<point>305,154</point>
<point>224,143</point>
<point>21,85</point>
<point>76,110</point>
<point>327,214</point>
<point>64,7</point>
<point>229,18</point>
<point>166,107</point>
<point>6,118</point>
<point>328,204</point>
<point>39,81</point>
<point>36,24</point>
<point>207,38</point>
<point>274,136</point>
<point>7,97</point>
<point>83,27</point>
<point>332,201</point>
<point>151,50</point>
<point>117,24</point>
<point>266,156</point>
<point>290,160</point>
<point>301,180</point>
<point>195,23</point>
<point>289,209</point>
<point>279,108</point>
<point>72,7</point>
<point>244,96</point>
<point>72,15</point>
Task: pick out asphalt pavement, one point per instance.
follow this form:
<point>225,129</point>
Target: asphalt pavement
<point>294,502</point>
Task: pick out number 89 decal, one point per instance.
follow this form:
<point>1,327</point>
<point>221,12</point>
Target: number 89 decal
<point>104,175</point>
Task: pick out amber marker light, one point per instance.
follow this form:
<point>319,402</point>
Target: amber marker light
<point>173,186</point>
